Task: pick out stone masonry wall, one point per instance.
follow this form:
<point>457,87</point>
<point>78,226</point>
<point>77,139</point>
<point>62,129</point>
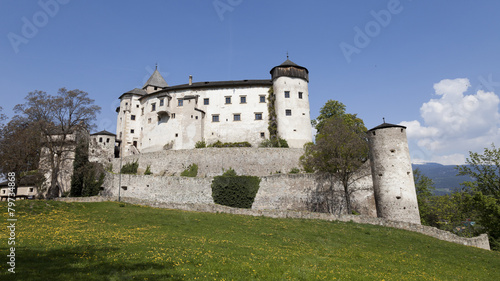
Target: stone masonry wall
<point>212,161</point>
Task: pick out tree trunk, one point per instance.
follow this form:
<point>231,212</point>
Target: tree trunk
<point>347,198</point>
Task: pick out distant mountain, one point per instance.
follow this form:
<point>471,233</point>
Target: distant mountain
<point>444,176</point>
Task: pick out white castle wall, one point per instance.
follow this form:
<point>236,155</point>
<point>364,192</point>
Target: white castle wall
<point>295,128</point>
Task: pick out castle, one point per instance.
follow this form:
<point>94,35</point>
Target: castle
<point>159,116</point>
<point>159,125</point>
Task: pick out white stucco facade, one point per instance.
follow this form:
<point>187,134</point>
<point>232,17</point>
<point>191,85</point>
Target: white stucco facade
<point>159,117</point>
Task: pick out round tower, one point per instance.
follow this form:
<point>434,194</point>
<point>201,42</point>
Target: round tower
<point>393,183</point>
<point>290,84</point>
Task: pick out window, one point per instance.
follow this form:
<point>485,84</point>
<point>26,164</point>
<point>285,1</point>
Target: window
<point>156,88</point>
<point>142,111</point>
<point>300,95</point>
<point>243,99</point>
<point>206,101</point>
<point>287,94</point>
<point>258,116</point>
<point>107,140</point>
<point>180,102</point>
<point>132,131</point>
<point>215,118</point>
<point>132,117</point>
<point>32,189</point>
<point>137,105</point>
<point>288,112</point>
<point>149,120</point>
<point>153,107</point>
<point>172,115</point>
<point>100,139</point>
<point>263,135</point>
<point>262,99</point>
<point>228,100</point>
<point>162,102</point>
<point>176,135</point>
<point>237,117</point>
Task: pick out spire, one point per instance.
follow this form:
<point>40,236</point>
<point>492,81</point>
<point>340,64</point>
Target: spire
<point>156,80</point>
<point>287,55</point>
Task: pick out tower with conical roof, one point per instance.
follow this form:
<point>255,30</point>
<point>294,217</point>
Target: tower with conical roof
<point>155,83</point>
<point>392,175</point>
<point>290,83</point>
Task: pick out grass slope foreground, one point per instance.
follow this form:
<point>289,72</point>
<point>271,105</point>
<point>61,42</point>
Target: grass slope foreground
<point>114,241</point>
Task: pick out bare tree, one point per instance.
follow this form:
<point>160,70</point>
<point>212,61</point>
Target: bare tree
<point>337,156</point>
<point>57,118</point>
<point>19,148</point>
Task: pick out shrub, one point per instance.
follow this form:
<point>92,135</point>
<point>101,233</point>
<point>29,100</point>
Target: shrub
<point>148,171</point>
<point>200,144</point>
<point>274,143</point>
<point>191,171</point>
<point>294,171</point>
<point>130,168</point>
<point>230,144</point>
<point>235,191</point>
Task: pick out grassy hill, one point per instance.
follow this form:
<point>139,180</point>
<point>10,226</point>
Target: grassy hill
<point>113,241</point>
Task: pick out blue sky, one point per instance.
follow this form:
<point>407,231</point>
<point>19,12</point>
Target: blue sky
<point>430,65</point>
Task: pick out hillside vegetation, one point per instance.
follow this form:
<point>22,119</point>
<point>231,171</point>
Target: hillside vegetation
<point>115,241</point>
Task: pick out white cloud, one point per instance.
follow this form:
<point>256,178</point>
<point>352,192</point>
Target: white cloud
<point>455,123</point>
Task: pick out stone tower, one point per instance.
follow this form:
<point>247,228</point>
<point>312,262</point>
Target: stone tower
<point>392,174</point>
<point>290,83</point>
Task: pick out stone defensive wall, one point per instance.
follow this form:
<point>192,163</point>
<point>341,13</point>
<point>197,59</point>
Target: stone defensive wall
<point>479,241</point>
<point>276,192</point>
<point>252,161</point>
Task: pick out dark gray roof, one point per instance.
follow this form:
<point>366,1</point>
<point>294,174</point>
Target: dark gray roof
<point>387,125</point>
<point>218,84</point>
<point>156,80</point>
<point>290,69</point>
<point>136,91</point>
<point>104,132</point>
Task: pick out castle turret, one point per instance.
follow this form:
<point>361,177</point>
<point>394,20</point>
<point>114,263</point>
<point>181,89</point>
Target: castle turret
<point>393,183</point>
<point>127,124</point>
<point>290,83</point>
<point>155,83</point>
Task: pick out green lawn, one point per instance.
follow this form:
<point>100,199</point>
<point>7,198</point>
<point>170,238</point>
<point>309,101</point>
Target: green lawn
<point>113,241</point>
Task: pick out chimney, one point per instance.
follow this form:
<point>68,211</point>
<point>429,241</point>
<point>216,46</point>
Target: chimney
<point>190,80</point>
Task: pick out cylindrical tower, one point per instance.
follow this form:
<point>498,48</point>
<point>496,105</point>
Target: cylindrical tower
<point>290,83</point>
<point>393,183</point>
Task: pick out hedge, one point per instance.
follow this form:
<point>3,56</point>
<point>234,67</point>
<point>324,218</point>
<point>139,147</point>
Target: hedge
<point>235,191</point>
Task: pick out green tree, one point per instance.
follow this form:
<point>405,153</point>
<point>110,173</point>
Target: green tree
<point>333,108</point>
<point>424,187</point>
<point>485,190</point>
<point>338,154</point>
<point>87,177</point>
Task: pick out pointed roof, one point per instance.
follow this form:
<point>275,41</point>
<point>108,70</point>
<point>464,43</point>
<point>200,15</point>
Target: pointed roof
<point>386,125</point>
<point>137,91</point>
<point>289,63</point>
<point>290,69</point>
<point>156,80</point>
<point>104,132</point>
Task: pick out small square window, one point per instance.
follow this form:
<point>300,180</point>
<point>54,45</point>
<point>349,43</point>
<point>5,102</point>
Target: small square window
<point>300,95</point>
<point>180,102</point>
<point>176,135</point>
<point>237,117</point>
<point>156,88</point>
<point>288,112</point>
<point>142,111</point>
<point>262,99</point>
<point>215,118</point>
<point>132,131</point>
<point>153,107</point>
<point>228,100</point>
<point>107,140</point>
<point>263,135</point>
<point>137,105</point>
<point>162,102</point>
<point>243,99</point>
<point>172,115</point>
<point>132,117</point>
<point>258,116</point>
<point>32,189</point>
<point>287,94</point>
<point>100,139</point>
<point>206,101</point>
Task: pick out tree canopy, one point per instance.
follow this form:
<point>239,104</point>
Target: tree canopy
<point>56,118</point>
<point>340,149</point>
